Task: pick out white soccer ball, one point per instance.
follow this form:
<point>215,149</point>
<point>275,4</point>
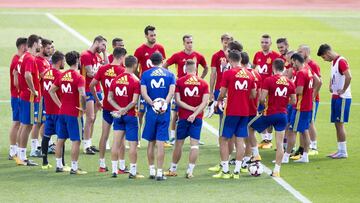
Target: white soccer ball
<point>221,106</point>
<point>159,105</point>
<point>115,114</point>
<point>255,169</point>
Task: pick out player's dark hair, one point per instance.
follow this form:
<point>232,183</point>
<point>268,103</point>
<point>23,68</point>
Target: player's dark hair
<point>119,52</point>
<point>116,40</point>
<point>266,36</point>
<point>156,58</point>
<point>149,28</point>
<point>234,55</point>
<point>323,49</point>
<point>130,61</point>
<point>297,57</point>
<point>190,62</point>
<point>244,58</point>
<point>99,38</point>
<point>45,42</point>
<point>282,40</point>
<point>278,64</point>
<point>57,56</point>
<point>72,57</point>
<point>32,39</point>
<point>20,41</point>
<point>235,45</point>
<point>186,37</point>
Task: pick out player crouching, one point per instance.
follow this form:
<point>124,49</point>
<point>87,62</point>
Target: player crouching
<point>191,95</point>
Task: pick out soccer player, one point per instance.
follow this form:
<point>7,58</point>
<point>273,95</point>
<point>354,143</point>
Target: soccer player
<point>42,64</point>
<point>30,94</point>
<point>14,92</point>
<point>143,54</point>
<point>283,47</point>
<point>156,83</point>
<point>116,42</point>
<point>179,59</point>
<point>105,75</point>
<point>340,89</point>
<point>307,85</point>
<point>275,93</point>
<point>71,105</point>
<point>90,61</point>
<point>238,83</point>
<point>304,51</point>
<point>123,96</point>
<point>262,61</point>
<point>191,95</point>
<point>52,110</point>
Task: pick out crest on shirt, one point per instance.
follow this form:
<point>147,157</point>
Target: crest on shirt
<point>268,60</point>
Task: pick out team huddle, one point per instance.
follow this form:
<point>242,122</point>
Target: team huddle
<point>140,98</point>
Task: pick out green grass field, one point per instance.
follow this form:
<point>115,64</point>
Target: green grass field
<point>322,180</point>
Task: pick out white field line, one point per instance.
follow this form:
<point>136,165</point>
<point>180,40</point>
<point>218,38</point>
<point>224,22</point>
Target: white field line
<point>213,130</point>
<point>160,14</point>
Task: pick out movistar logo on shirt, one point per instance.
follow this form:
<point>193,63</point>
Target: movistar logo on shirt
<point>121,92</point>
<point>241,86</point>
<point>158,84</point>
<point>158,72</point>
<point>281,92</point>
<point>47,85</point>
<point>191,93</point>
<point>192,81</point>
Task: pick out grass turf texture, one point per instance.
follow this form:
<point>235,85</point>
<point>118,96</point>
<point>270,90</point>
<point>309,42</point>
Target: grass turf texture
<point>321,180</point>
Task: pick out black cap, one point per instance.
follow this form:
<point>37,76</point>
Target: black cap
<point>156,58</point>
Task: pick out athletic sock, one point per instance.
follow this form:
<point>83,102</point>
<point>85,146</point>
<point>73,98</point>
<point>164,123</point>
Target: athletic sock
<point>305,156</point>
<point>225,166</point>
<point>121,164</point>
<point>44,149</point>
<point>277,168</point>
<point>22,154</point>
<point>114,165</point>
<point>172,134</point>
<point>173,167</point>
<point>102,163</point>
<point>159,172</point>
<point>86,144</point>
<point>74,165</point>
<point>13,150</point>
<point>237,166</point>
<point>152,170</point>
<point>59,163</point>
<point>255,151</point>
<point>34,144</point>
<point>342,147</point>
<point>270,137</point>
<point>133,169</point>
<point>263,136</point>
<point>190,168</point>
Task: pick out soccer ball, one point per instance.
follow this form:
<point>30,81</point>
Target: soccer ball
<point>255,169</point>
<point>159,105</point>
<point>221,106</point>
<point>115,114</point>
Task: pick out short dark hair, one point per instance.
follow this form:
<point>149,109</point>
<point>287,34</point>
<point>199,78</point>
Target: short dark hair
<point>266,36</point>
<point>72,57</point>
<point>45,42</point>
<point>235,45</point>
<point>297,57</point>
<point>234,55</point>
<point>130,61</point>
<point>186,36</point>
<point>57,56</point>
<point>32,39</point>
<point>20,41</point>
<point>149,28</point>
<point>119,52</point>
<point>278,64</point>
<point>226,36</point>
<point>323,49</point>
<point>190,62</point>
<point>99,38</point>
<point>244,58</point>
<point>282,40</point>
<point>156,58</point>
<point>116,40</point>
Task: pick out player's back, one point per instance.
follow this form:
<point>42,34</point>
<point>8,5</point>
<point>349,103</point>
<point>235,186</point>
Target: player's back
<point>279,90</point>
<point>158,81</point>
<point>304,78</point>
<point>14,67</point>
<point>27,64</point>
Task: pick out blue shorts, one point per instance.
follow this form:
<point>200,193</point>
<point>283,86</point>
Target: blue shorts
<point>185,128</point>
<point>40,112</point>
<point>216,96</point>
<point>50,125</point>
<point>27,109</point>
<point>156,126</point>
<point>90,97</point>
<point>234,125</point>
<point>340,110</point>
<point>15,107</point>
<point>141,105</point>
<point>315,110</point>
<point>261,123</point>
<point>261,108</point>
<point>108,117</point>
<point>289,112</point>
<point>174,106</point>
<point>300,121</point>
<point>130,125</point>
<point>70,127</point>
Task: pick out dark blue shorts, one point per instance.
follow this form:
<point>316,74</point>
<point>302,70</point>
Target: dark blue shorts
<point>234,125</point>
<point>141,105</point>
<point>156,126</point>
<point>185,128</point>
<point>300,121</point>
<point>40,113</point>
<point>279,121</point>
<point>70,127</point>
<point>315,110</point>
<point>216,96</point>
<point>130,125</point>
<point>340,110</point>
<point>50,125</point>
<point>27,112</point>
<point>15,107</point>
<point>90,97</point>
<point>107,116</point>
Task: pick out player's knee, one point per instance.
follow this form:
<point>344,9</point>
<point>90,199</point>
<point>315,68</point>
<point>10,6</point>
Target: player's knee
<point>194,147</point>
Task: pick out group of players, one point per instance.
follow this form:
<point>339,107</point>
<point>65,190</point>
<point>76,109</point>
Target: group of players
<point>277,91</point>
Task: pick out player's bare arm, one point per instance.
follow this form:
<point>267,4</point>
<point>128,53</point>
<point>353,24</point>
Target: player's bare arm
<point>200,108</point>
<point>16,78</point>
<point>170,94</point>
<point>89,71</point>
<point>253,93</point>
<point>292,100</point>
<point>222,95</point>
<point>183,104</point>
<point>92,85</point>
<point>165,65</point>
<point>213,76</point>
<point>348,77</point>
<point>205,71</point>
<point>263,95</point>
<point>145,95</point>
<point>54,96</point>
<point>132,103</point>
<point>29,82</point>
<point>112,101</point>
<point>82,99</point>
<point>317,85</point>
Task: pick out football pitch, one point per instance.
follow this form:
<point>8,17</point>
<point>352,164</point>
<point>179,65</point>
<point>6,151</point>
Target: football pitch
<point>321,180</point>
